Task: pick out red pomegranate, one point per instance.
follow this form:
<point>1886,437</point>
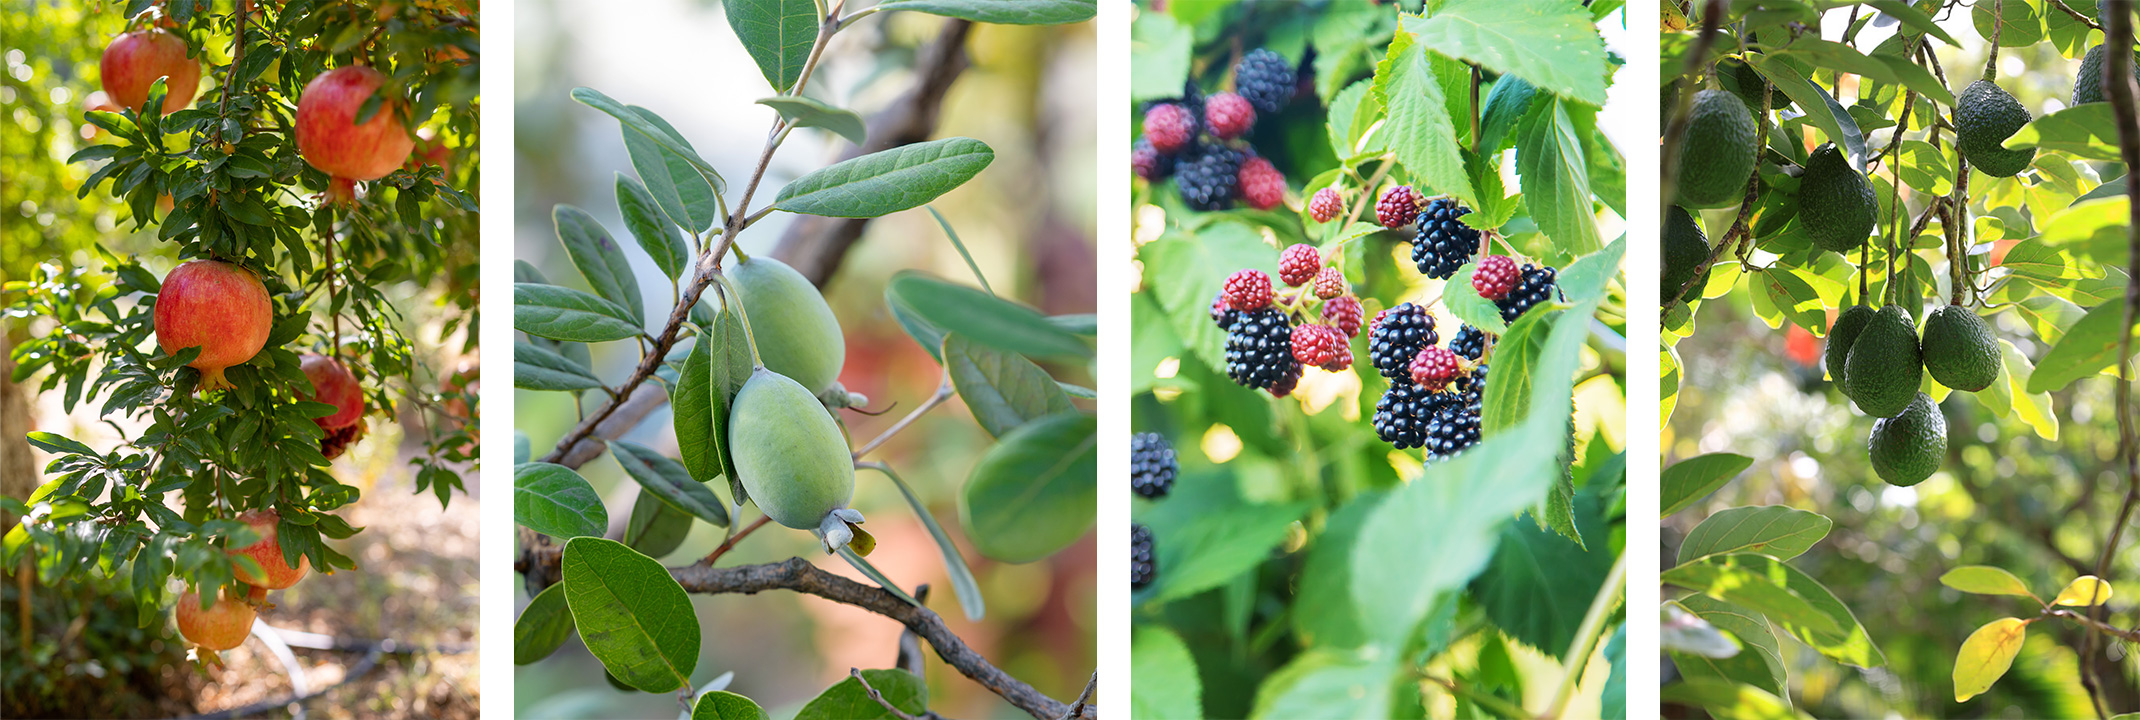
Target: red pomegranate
<point>333,384</point>
<point>216,306</point>
<point>330,139</point>
<point>133,61</point>
<point>267,551</point>
<point>224,624</point>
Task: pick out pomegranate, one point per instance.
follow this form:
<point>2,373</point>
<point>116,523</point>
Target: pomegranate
<point>330,139</point>
<point>335,385</point>
<point>133,61</point>
<point>216,306</point>
<point>224,624</point>
<point>267,551</point>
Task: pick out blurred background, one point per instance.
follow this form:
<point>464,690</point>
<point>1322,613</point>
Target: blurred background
<point>1028,219</point>
<point>74,649</point>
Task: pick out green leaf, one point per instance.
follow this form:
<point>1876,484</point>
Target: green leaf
<point>1614,699</point>
<point>1166,684</point>
<point>2022,21</point>
<point>59,444</point>
<point>1729,701</point>
<point>2033,409</point>
<point>633,616</point>
<point>2087,131</point>
<point>1694,478</point>
<point>1820,109</point>
<point>725,705</point>
<point>1217,545</point>
<point>882,183</point>
<point>2088,348</point>
<point>655,528</point>
<point>645,124</point>
<point>1509,102</point>
<point>1032,494</point>
<point>1556,177</point>
<point>668,480</point>
<point>1985,580</point>
<point>539,368</point>
<point>683,191</point>
<point>978,277</point>
<point>692,399</point>
<point>600,260</point>
<point>982,318</point>
<point>1001,12</point>
<point>1790,598</point>
<point>561,313</point>
<point>778,34</point>
<point>1417,122</point>
<point>969,591</point>
<point>1912,17</point>
<point>1539,585</point>
<point>1323,613</point>
<point>847,700</point>
<point>1760,660</point>
<point>1555,46</point>
<point>1003,390</point>
<point>553,500</point>
<point>811,112</point>
<point>728,368</point>
<point>1322,683</point>
<point>1883,67</point>
<point>542,626</point>
<point>656,235</point>
<point>1774,530</point>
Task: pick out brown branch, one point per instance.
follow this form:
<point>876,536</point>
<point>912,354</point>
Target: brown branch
<point>798,575</point>
<point>2118,69</point>
<point>730,543</point>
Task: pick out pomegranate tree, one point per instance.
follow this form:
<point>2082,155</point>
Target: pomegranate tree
<point>133,62</point>
<point>331,139</point>
<point>218,307</point>
<point>275,573</point>
<point>223,624</point>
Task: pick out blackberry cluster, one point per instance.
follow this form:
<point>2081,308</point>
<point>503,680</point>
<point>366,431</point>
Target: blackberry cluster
<point>1208,175</point>
<point>1400,415</point>
<point>1469,342</point>
<point>1141,567</point>
<point>1452,427</point>
<point>1265,79</point>
<point>1442,423</point>
<point>1536,286</point>
<point>1201,141</point>
<point>1152,465</point>
<point>1259,351</point>
<point>1398,335</point>
<point>1443,242</point>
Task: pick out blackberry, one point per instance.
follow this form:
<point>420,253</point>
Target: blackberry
<point>1343,312</point>
<point>1536,287</point>
<point>1152,465</point>
<point>1222,312</point>
<point>1401,414</point>
<point>1451,426</point>
<point>1141,567</point>
<point>1149,163</point>
<point>1325,205</point>
<point>1207,175</point>
<point>1443,241</point>
<point>1260,184</point>
<point>1469,342</point>
<point>1265,79</point>
<point>1259,349</point>
<point>1287,384</point>
<point>1228,115</point>
<point>1398,334</point>
<point>1171,127</point>
<point>1299,264</point>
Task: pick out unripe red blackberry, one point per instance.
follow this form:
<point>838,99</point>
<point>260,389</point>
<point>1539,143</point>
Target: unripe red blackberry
<point>1434,366</point>
<point>1170,127</point>
<point>1396,337</point>
<point>1149,163</point>
<point>1260,184</point>
<point>1398,207</point>
<point>1343,312</point>
<point>1330,283</point>
<point>1152,465</point>
<point>1299,264</point>
<point>1326,205</point>
<point>1317,345</point>
<point>1228,115</point>
<point>1495,276</point>
<point>1248,289</point>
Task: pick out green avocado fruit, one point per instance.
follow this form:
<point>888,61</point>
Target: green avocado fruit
<point>795,331</point>
<point>789,452</point>
<point>1743,80</point>
<point>1835,203</point>
<point>1884,368</point>
<point>1985,116</point>
<point>1684,251</point>
<point>2088,81</point>
<point>1841,334</point>
<point>1959,349</point>
<point>1907,448</point>
<point>1717,156</point>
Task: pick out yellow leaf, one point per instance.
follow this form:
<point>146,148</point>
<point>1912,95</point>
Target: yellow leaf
<point>2086,591</point>
<point>1986,656</point>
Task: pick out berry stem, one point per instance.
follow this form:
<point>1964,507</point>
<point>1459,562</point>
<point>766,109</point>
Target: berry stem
<point>1586,637</point>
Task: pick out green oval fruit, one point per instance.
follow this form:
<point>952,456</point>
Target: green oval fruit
<point>1985,116</point>
<point>1718,154</point>
<point>795,330</point>
<point>1884,368</point>
<point>1959,349</point>
<point>1835,203</point>
<point>1841,334</point>
<point>1685,249</point>
<point>789,453</point>
<point>1746,82</point>
<point>1907,448</point>
<point>2088,81</point>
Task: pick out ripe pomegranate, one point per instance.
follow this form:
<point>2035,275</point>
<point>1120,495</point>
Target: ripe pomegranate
<point>133,61</point>
<point>330,139</point>
<point>216,306</point>
<point>224,624</point>
<point>267,551</point>
<point>335,385</point>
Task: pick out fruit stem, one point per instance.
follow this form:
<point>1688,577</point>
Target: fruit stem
<point>1998,23</point>
<point>944,391</point>
<point>1586,637</point>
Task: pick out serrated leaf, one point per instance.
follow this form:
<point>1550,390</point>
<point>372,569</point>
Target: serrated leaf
<point>1539,585</point>
<point>1556,177</point>
<point>882,183</point>
<point>1167,684</point>
<point>1554,46</point>
<point>1417,122</point>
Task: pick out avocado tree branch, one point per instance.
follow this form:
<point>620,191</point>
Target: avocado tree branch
<point>2118,71</point>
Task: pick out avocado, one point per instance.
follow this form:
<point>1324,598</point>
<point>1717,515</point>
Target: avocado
<point>1717,155</point>
<point>1743,80</point>
<point>1985,116</point>
<point>2088,81</point>
<point>1884,368</point>
<point>1841,334</point>
<point>1835,202</point>
<point>1959,350</point>
<point>1685,249</point>
<point>1907,448</point>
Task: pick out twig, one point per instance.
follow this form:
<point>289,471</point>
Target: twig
<point>856,673</point>
<point>730,542</point>
<point>1077,708</point>
<point>2118,34</point>
<point>2131,636</point>
<point>1586,636</point>
<point>943,392</point>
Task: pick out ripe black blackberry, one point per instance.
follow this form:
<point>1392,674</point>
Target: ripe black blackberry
<point>1152,465</point>
<point>1222,312</point>
<point>1452,426</point>
<point>1537,286</point>
<point>1398,334</point>
<point>1141,567</point>
<point>1469,342</point>
<point>1443,242</point>
<point>1265,78</point>
<point>1207,174</point>
<point>1401,414</point>
<point>1259,349</point>
<point>1149,163</point>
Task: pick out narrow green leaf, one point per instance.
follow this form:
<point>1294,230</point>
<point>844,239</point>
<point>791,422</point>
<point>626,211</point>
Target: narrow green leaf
<point>811,112</point>
<point>1001,12</point>
<point>1773,530</point>
<point>667,479</point>
<point>692,400</point>
<point>600,260</point>
<point>1694,478</point>
<point>538,368</point>
<point>643,217</point>
<point>980,317</point>
<point>778,34</point>
<point>882,183</point>
<point>969,591</point>
<point>685,192</point>
<point>655,528</point>
<point>636,121</point>
<point>561,313</point>
<point>1003,390</point>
